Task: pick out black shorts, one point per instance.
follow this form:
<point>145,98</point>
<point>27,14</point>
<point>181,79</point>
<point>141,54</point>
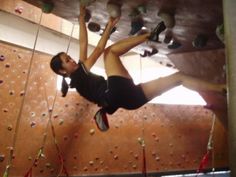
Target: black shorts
<point>123,93</point>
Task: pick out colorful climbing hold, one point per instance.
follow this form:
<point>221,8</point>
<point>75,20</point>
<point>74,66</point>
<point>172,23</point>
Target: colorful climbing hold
<point>91,162</point>
<point>44,114</point>
<point>220,32</point>
<point>22,93</point>
<point>61,121</point>
<point>32,114</point>
<point>7,65</point>
<point>87,16</point>
<point>48,165</point>
<point>113,9</point>
<point>200,41</point>
<point>141,141</point>
<point>2,157</point>
<point>168,19</point>
<point>168,37</point>
<point>9,128</point>
<point>19,56</point>
<point>65,138</point>
<point>136,25</point>
<point>19,10</point>
<point>94,27</point>
<point>101,162</point>
<point>2,58</point>
<point>174,45</point>
<point>142,8</point>
<point>136,156</point>
<point>47,7</point>
<point>32,124</point>
<point>91,131</point>
<point>5,110</point>
<point>115,157</point>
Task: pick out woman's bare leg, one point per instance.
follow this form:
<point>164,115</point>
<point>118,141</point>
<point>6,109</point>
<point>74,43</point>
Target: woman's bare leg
<point>157,87</point>
<point>113,65</point>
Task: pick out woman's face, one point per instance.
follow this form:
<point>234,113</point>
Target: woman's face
<point>68,64</point>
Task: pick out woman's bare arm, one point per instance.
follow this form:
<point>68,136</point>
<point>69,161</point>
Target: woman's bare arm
<point>101,44</point>
<point>83,35</point>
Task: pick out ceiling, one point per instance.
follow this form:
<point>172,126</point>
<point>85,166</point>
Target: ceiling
<point>192,18</point>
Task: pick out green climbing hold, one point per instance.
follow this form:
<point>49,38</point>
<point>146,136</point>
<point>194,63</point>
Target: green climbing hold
<point>220,32</point>
<point>47,7</point>
<point>142,8</point>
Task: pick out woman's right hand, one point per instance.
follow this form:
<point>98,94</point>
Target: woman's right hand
<point>113,21</point>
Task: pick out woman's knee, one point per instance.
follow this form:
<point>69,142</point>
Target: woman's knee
<point>110,51</point>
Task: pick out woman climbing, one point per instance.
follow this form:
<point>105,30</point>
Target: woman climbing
<point>118,91</point>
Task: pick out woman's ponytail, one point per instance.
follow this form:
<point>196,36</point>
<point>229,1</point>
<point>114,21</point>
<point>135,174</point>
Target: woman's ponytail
<point>64,87</point>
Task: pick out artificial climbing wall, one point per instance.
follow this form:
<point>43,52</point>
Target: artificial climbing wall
<point>175,136</point>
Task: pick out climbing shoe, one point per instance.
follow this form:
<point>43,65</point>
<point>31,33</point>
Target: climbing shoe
<point>101,120</point>
<point>154,36</point>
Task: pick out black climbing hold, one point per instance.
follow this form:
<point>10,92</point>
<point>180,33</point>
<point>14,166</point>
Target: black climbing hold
<point>2,58</point>
<point>87,16</point>
<point>174,45</point>
<point>94,27</point>
<point>200,41</point>
<point>136,25</point>
<point>168,37</point>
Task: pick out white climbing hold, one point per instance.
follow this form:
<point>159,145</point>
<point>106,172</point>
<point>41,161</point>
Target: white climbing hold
<point>61,121</point>
<point>114,10</point>
<point>91,131</point>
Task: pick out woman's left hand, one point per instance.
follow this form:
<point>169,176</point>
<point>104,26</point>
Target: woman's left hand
<point>82,11</point>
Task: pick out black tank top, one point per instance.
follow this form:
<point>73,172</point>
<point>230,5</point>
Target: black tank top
<point>89,85</point>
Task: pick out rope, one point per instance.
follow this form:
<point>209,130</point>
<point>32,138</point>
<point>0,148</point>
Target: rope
<point>7,170</point>
<point>50,111</point>
<point>72,30</point>
<point>210,148</point>
<point>40,153</point>
<point>63,168</point>
<point>144,168</point>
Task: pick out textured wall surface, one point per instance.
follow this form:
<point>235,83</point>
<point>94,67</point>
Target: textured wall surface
<point>175,136</point>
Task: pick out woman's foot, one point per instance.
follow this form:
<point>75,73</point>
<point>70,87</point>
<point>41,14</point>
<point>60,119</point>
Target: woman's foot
<point>154,36</point>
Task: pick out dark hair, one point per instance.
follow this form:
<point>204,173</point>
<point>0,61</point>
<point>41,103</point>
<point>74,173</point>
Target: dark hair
<point>56,65</point>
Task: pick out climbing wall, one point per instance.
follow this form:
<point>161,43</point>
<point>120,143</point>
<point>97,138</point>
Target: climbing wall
<point>175,137</point>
